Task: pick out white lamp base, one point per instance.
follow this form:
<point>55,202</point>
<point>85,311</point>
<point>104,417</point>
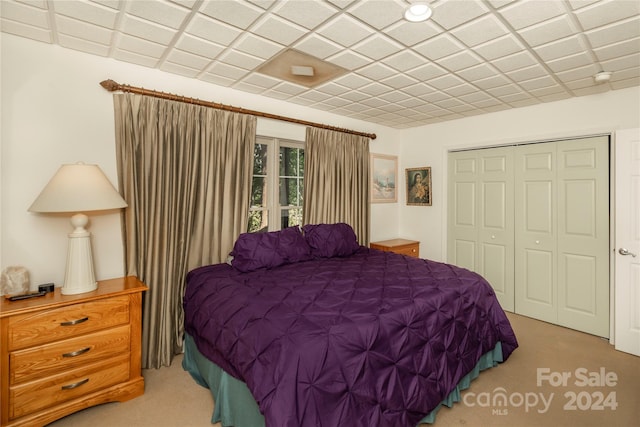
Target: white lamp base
<point>79,276</point>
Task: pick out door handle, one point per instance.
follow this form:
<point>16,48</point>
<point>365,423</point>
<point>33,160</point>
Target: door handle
<point>623,251</point>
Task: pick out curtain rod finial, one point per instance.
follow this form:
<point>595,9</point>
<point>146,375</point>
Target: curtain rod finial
<point>109,85</point>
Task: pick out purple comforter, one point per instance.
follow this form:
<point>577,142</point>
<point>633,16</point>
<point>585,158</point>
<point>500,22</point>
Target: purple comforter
<point>373,339</point>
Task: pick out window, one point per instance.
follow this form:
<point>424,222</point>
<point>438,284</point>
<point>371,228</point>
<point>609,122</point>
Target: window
<point>276,192</point>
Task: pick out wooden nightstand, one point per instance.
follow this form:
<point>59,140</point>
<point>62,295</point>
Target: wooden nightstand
<point>399,246</point>
<point>63,353</point>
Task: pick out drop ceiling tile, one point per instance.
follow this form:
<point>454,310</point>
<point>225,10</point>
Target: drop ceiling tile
<point>83,45</point>
<point>314,96</point>
<point>567,46</point>
<point>606,12</point>
<point>28,31</point>
<point>349,60</point>
<point>576,74</point>
<point>238,14</point>
<point>459,61</point>
<point>246,87</point>
<point>345,30</point>
<point>377,71</point>
<point>22,13</point>
<point>538,83</point>
<point>451,13</point>
<point>332,88</point>
<point>261,80</point>
<point>616,50</point>
<point>140,46</point>
<point>427,72</point>
<point>404,60</point>
<point>289,88</point>
<point>499,47</point>
<point>198,46</point>
<point>418,89</point>
<point>189,60</point>
<point>527,73</point>
<point>399,81</point>
<point>160,11</point>
<point>81,29</point>
<point>209,29</point>
<point>480,31</point>
<point>548,31</point>
<point>147,30</point>
<point>571,61</point>
<point>476,97</point>
<point>410,102</point>
<point>375,89</point>
<point>622,63</point>
<point>278,30</point>
<point>460,90</point>
<point>525,13</point>
<point>257,46</point>
<point>377,47</point>
<point>446,81</point>
<point>614,33</point>
<point>515,61</point>
<point>227,71</point>
<point>308,14</point>
<point>264,4</point>
<point>439,47</point>
<point>134,58</point>
<point>378,14</point>
<point>411,33</point>
<point>492,82</point>
<point>477,72</point>
<point>318,46</point>
<point>352,81</point>
<point>579,4</point>
<point>86,11</point>
<point>217,79</point>
<point>504,90</point>
<point>240,60</point>
<point>179,69</point>
<point>354,96</point>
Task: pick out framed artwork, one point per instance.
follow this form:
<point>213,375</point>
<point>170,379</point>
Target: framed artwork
<point>419,186</point>
<point>384,175</point>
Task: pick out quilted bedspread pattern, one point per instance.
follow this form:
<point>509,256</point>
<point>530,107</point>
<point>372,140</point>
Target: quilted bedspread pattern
<point>373,339</point>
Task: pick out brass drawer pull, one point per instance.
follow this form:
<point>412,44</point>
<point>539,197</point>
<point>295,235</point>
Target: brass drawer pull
<point>74,322</point>
<point>77,352</point>
<point>74,385</point>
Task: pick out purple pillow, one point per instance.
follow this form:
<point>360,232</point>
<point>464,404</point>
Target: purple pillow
<point>267,250</point>
<point>331,240</point>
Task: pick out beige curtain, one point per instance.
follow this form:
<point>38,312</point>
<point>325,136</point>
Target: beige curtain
<point>185,172</point>
<point>336,180</point>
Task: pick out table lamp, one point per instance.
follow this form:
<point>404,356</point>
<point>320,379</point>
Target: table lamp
<point>78,188</point>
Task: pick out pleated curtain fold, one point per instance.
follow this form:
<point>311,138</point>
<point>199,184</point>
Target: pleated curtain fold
<point>336,181</point>
<point>185,172</point>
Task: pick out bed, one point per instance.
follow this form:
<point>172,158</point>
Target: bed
<point>304,327</point>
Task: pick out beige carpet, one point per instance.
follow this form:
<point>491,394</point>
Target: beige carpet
<point>546,353</point>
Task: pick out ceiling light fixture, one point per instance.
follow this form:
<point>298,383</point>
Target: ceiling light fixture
<point>602,77</point>
<point>417,12</point>
<point>302,70</point>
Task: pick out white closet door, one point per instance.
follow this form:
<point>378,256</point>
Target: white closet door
<point>481,217</point>
<point>583,235</point>
<point>495,237</point>
<point>535,232</point>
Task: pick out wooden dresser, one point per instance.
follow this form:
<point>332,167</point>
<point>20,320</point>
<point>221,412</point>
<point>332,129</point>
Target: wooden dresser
<point>63,353</point>
<point>399,246</point>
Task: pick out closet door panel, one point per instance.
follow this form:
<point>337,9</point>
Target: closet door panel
<point>495,237</point>
<point>462,207</point>
<point>535,232</point>
<point>583,235</point>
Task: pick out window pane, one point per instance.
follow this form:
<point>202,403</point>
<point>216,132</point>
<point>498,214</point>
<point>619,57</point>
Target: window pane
<point>290,191</point>
<point>258,221</point>
<point>259,192</point>
<point>291,161</point>
<point>260,159</point>
<point>290,217</point>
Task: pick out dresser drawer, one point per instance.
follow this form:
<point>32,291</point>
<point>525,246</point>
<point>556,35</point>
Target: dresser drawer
<point>400,246</point>
<point>49,359</point>
<point>35,395</point>
<point>47,326</point>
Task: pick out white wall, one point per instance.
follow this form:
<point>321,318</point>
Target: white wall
<point>428,146</point>
<point>54,111</point>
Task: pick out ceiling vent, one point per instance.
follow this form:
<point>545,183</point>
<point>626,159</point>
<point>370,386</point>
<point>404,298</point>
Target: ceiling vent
<point>297,67</point>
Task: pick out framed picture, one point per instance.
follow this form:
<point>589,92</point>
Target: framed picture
<point>419,186</point>
<point>384,175</point>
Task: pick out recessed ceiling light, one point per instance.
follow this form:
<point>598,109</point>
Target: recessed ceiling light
<point>417,12</point>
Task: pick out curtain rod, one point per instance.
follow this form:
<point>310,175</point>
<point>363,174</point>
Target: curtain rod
<point>112,86</point>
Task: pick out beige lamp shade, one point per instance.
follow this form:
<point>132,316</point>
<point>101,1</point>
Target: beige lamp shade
<point>78,188</point>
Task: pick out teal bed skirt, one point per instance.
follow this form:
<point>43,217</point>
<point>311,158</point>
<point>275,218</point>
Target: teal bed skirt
<point>235,406</point>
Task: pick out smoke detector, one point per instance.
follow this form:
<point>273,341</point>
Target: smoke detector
<point>602,77</point>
